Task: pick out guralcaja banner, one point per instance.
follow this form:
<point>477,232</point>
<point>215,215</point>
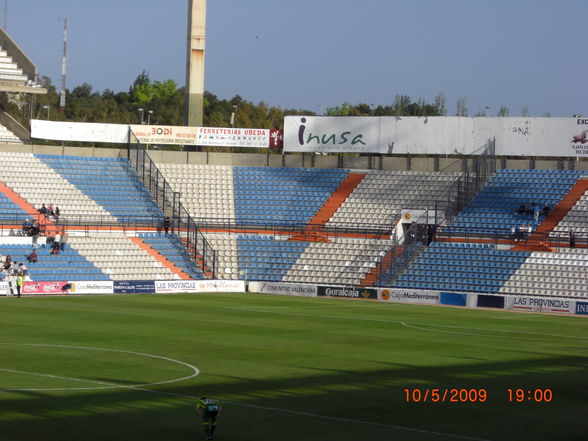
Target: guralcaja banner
<point>350,293</point>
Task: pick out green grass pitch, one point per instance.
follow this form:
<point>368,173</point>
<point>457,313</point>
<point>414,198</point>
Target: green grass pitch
<point>116,368</point>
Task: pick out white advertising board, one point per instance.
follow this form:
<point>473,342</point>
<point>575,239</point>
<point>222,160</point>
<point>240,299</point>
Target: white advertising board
<point>328,134</point>
<point>286,289</point>
<point>3,288</point>
<point>151,134</point>
<point>102,287</point>
<point>194,286</point>
<point>221,286</point>
<point>538,304</point>
<point>408,296</point>
<point>83,132</point>
<point>437,135</point>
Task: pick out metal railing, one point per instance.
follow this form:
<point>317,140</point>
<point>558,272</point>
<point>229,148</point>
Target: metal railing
<point>422,231</point>
<point>168,200</point>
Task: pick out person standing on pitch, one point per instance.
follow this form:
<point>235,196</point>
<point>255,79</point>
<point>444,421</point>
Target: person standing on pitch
<point>209,410</point>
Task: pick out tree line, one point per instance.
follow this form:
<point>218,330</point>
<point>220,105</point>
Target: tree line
<point>163,103</point>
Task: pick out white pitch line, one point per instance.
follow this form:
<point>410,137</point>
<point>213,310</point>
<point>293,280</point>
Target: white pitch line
<point>464,328</point>
<point>175,380</point>
<point>234,403</point>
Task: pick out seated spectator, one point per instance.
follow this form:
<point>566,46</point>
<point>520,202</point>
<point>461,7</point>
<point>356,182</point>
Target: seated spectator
<point>545,210</point>
<point>522,209</point>
<point>26,227</point>
<point>43,210</point>
<point>32,258</point>
<point>531,209</point>
<point>50,211</point>
<point>56,213</point>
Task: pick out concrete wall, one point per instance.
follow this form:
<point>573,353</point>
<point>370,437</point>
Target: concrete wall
<point>410,162</point>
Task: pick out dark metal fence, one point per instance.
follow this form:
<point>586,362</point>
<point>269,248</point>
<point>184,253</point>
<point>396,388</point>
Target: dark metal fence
<point>181,223</point>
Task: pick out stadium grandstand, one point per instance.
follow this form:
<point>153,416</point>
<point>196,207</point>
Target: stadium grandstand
<point>135,215</point>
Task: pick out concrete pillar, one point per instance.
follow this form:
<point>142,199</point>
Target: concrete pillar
<point>194,109</point>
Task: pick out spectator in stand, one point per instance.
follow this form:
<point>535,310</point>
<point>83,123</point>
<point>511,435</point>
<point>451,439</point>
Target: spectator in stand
<point>522,209</point>
<point>536,212</point>
<point>43,210</point>
<point>545,210</point>
<point>7,263</point>
<point>26,227</point>
<point>64,238</point>
<point>56,243</point>
<point>32,258</point>
<point>531,209</point>
<point>35,230</point>
<point>56,213</point>
<point>166,224</point>
<point>50,211</point>
<point>572,235</point>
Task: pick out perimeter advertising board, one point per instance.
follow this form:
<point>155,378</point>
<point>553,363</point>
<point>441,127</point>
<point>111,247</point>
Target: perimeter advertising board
<point>134,287</point>
<point>195,286</point>
<point>4,289</point>
<point>68,287</point>
<point>346,292</point>
<point>536,304</point>
<point>399,295</point>
<point>286,289</point>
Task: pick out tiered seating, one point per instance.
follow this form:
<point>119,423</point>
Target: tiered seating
<point>381,195</point>
<point>207,191</point>
<point>8,137</point>
<point>263,258</point>
<point>171,247</point>
<point>111,182</point>
<point>576,219</point>
<point>67,265</point>
<point>282,196</point>
<point>120,258</point>
<point>461,267</point>
<point>9,70</point>
<point>9,211</point>
<point>493,209</point>
<point>551,274</point>
<point>225,246</point>
<point>39,184</point>
<point>346,261</point>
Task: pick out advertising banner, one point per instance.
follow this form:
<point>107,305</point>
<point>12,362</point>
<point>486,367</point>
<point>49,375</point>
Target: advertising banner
<point>535,304</point>
<point>134,287</point>
<point>345,292</point>
<point>437,135</point>
<point>221,286</point>
<point>286,289</point>
<point>3,288</point>
<point>175,286</point>
<point>194,286</point>
<point>581,308</point>
<point>77,131</point>
<point>155,134</point>
<point>400,295</point>
<point>331,134</point>
<point>43,287</point>
<point>450,298</point>
<point>81,287</point>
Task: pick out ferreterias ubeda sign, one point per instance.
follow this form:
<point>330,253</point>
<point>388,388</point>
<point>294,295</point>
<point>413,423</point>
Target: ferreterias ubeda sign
<point>202,136</point>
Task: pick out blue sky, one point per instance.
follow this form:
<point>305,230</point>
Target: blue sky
<point>315,54</point>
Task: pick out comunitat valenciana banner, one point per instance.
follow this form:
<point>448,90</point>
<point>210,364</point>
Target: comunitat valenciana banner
<point>154,134</point>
